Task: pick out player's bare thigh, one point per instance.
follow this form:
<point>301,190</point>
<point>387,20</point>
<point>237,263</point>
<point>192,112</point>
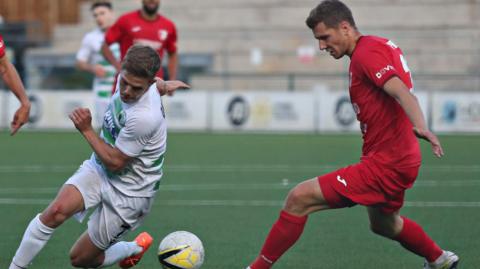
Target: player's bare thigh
<point>69,201</point>
<point>85,254</point>
<point>305,198</point>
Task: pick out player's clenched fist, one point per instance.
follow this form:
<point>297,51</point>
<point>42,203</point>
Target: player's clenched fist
<point>82,119</point>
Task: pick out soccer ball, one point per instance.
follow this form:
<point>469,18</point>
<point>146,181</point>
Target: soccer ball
<point>181,250</point>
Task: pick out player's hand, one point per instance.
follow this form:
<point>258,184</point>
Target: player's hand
<point>169,87</point>
<point>99,71</point>
<point>20,118</point>
<point>432,138</point>
<point>82,119</point>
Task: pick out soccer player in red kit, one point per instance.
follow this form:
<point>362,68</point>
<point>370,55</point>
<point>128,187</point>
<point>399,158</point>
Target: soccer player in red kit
<point>390,118</point>
<point>10,77</point>
<point>145,27</point>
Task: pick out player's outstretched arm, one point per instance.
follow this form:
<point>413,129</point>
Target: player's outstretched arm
<point>170,86</point>
<point>397,89</point>
<point>111,157</point>
<point>12,80</point>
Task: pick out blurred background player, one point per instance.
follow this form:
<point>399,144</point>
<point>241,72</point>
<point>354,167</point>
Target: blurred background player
<point>120,179</point>
<point>12,80</point>
<point>390,117</point>
<point>90,58</point>
<point>147,27</point>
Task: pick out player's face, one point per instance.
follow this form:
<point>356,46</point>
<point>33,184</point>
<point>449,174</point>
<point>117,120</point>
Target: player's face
<point>151,6</point>
<point>331,40</point>
<point>103,16</point>
<point>132,87</point>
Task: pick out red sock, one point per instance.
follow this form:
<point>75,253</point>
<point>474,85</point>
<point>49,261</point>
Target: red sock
<point>284,233</point>
<point>414,238</point>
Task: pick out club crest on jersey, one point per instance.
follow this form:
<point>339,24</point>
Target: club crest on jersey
<point>162,35</point>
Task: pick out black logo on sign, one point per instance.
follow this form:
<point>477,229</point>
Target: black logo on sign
<point>238,111</point>
<point>344,113</point>
<point>36,110</point>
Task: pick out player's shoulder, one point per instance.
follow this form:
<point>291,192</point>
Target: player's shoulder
<point>93,34</point>
<point>368,46</point>
<point>166,21</point>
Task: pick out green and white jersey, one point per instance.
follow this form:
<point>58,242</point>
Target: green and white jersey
<point>139,130</point>
<point>90,52</point>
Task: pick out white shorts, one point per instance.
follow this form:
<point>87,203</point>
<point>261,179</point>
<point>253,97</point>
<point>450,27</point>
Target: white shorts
<point>115,213</point>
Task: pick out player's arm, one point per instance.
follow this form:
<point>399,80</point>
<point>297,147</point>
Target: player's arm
<point>170,86</point>
<point>84,54</point>
<point>12,80</point>
<point>113,159</point>
<point>398,90</point>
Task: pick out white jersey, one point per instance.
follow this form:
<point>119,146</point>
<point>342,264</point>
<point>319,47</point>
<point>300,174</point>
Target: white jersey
<point>138,130</point>
<point>90,52</point>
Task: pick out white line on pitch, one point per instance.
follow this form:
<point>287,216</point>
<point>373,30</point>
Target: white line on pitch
<point>285,184</point>
<point>232,168</point>
<point>243,203</point>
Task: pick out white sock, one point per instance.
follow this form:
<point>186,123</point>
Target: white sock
<point>120,251</point>
<point>35,237</point>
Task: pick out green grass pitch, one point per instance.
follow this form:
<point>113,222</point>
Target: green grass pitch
<point>229,188</point>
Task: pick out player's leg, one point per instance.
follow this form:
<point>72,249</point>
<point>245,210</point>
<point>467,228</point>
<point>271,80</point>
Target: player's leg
<point>410,235</point>
<point>68,202</point>
<point>85,254</point>
<point>113,218</point>
<point>305,198</point>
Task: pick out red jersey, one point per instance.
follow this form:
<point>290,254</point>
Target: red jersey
<point>388,136</point>
<point>2,47</point>
<point>132,28</point>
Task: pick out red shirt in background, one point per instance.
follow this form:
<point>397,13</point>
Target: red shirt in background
<point>132,28</point>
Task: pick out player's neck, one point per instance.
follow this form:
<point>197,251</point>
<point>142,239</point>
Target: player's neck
<point>355,38</point>
<point>147,16</point>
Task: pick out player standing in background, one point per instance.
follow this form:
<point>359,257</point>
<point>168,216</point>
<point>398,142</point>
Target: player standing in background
<point>90,58</point>
<point>147,27</point>
<point>390,117</point>
<point>121,177</point>
<point>12,80</point>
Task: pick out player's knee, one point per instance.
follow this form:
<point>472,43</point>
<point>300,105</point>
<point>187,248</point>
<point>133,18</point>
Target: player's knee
<point>54,215</point>
<point>77,261</point>
<point>383,230</point>
<point>295,202</point>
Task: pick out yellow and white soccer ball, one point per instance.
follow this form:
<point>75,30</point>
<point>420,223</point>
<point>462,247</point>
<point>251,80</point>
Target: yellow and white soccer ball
<point>181,250</point>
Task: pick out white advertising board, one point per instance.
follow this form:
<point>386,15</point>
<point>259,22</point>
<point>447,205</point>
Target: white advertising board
<point>456,112</point>
<point>335,112</point>
<point>50,109</point>
<point>187,110</point>
<point>263,111</point>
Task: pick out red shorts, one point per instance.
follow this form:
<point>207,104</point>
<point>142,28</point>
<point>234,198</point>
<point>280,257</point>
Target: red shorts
<point>367,183</point>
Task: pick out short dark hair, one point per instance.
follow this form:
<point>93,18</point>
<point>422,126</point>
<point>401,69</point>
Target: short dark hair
<point>101,3</point>
<point>331,13</point>
<point>141,61</point>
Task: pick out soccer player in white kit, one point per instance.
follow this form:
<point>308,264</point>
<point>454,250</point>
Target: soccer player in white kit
<point>120,179</point>
<point>90,58</point>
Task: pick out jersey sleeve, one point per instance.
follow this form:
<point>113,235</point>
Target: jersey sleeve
<point>85,51</point>
<point>171,45</point>
<point>133,138</point>
<point>378,66</point>
<point>115,32</point>
<point>2,47</point>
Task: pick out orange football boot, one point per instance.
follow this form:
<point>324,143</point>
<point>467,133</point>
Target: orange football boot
<point>144,240</point>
